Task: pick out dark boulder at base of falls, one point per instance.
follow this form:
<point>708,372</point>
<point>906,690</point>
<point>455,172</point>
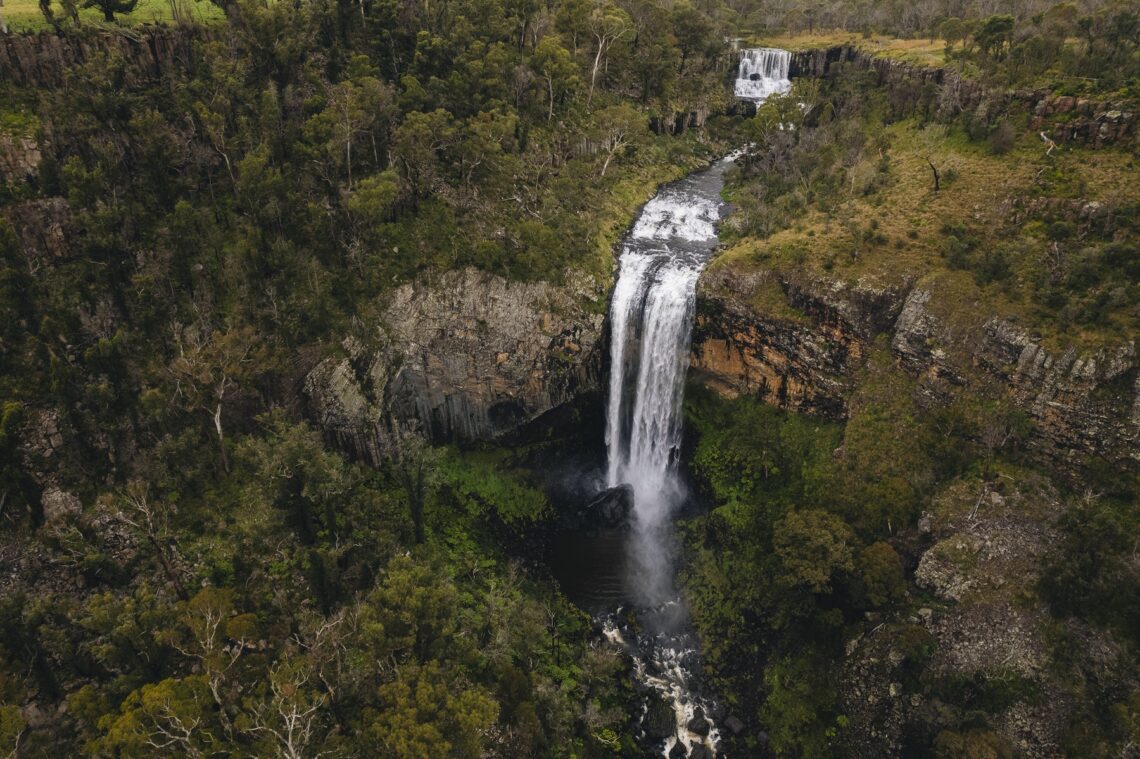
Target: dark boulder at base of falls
<point>659,720</point>
<point>610,510</point>
<point>700,751</point>
<point>678,751</point>
<point>698,724</point>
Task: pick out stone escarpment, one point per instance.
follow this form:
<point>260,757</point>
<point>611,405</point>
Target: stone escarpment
<point>802,359</point>
<point>1064,119</point>
<point>802,352</point>
<point>1081,403</point>
<point>19,157</point>
<point>469,356</point>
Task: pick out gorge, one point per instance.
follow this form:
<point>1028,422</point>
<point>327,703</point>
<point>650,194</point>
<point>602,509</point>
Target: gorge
<point>651,313</point>
<point>423,380</point>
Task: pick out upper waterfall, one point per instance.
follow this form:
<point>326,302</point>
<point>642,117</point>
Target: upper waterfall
<point>763,72</point>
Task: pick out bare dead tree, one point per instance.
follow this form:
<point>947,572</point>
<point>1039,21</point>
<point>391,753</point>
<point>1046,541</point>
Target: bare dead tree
<point>174,735</point>
<point>152,520</point>
<point>292,719</point>
<point>607,25</point>
<point>937,178</point>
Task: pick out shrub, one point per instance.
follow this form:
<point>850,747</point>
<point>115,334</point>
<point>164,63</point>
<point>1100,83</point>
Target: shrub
<point>1002,139</point>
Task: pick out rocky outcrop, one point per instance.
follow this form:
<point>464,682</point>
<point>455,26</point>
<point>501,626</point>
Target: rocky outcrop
<point>1089,122</point>
<point>1081,403</point>
<point>798,342</point>
<point>470,356</point>
<point>921,341</point>
<point>984,623</point>
<point>1064,119</point>
<point>19,158</point>
<point>44,229</point>
<point>801,356</point>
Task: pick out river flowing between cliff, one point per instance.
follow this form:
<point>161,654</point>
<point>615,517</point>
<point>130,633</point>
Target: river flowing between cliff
<point>626,576</point>
<point>624,572</point>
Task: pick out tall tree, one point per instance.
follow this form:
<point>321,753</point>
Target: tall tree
<point>608,24</point>
<point>111,7</point>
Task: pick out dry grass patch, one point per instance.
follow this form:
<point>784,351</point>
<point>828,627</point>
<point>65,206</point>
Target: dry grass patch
<point>905,231</point>
<point>923,51</point>
<point>25,15</point>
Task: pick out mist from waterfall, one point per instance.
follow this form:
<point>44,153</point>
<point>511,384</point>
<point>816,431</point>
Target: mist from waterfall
<point>762,73</point>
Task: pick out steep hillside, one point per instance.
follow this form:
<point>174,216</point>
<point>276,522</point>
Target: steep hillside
<point>939,280</point>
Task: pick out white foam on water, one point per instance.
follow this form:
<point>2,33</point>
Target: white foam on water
<point>762,73</point>
<point>676,216</point>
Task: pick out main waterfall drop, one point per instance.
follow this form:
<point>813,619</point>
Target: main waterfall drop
<point>763,72</point>
<point>651,317</point>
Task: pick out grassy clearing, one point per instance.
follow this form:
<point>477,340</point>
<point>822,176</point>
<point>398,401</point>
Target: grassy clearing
<point>924,51</point>
<point>25,15</point>
<point>901,231</point>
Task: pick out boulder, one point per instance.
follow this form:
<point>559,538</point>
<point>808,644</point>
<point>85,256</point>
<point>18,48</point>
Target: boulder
<point>610,509</point>
<point>700,751</point>
<point>659,721</point>
<point>698,724</point>
<point>59,505</point>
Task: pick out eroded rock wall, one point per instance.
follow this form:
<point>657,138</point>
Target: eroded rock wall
<point>804,353</point>
<point>469,356</point>
<point>803,357</point>
<point>1064,119</point>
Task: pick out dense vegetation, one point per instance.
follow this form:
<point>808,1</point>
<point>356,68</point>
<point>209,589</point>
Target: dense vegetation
<point>231,586</point>
<point>191,570</point>
<point>811,545</point>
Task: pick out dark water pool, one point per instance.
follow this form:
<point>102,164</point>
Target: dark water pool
<point>592,568</point>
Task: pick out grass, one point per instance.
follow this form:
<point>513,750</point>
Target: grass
<point>922,51</point>
<point>909,219</point>
<point>25,15</point>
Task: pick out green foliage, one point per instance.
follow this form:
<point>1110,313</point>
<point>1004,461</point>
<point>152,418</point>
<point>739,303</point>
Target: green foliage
<point>800,699</point>
<point>484,489</point>
<point>421,714</point>
<point>880,580</point>
<point>813,546</point>
<point>1093,576</point>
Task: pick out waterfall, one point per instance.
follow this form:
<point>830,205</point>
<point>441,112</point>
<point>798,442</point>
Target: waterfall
<point>651,315</point>
<point>651,319</point>
<point>763,72</point>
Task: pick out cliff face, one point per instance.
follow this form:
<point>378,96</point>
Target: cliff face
<point>803,360</point>
<point>802,354</point>
<point>470,356</point>
<point>1063,119</point>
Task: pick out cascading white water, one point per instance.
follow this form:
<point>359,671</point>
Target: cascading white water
<point>651,318</point>
<point>763,72</point>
